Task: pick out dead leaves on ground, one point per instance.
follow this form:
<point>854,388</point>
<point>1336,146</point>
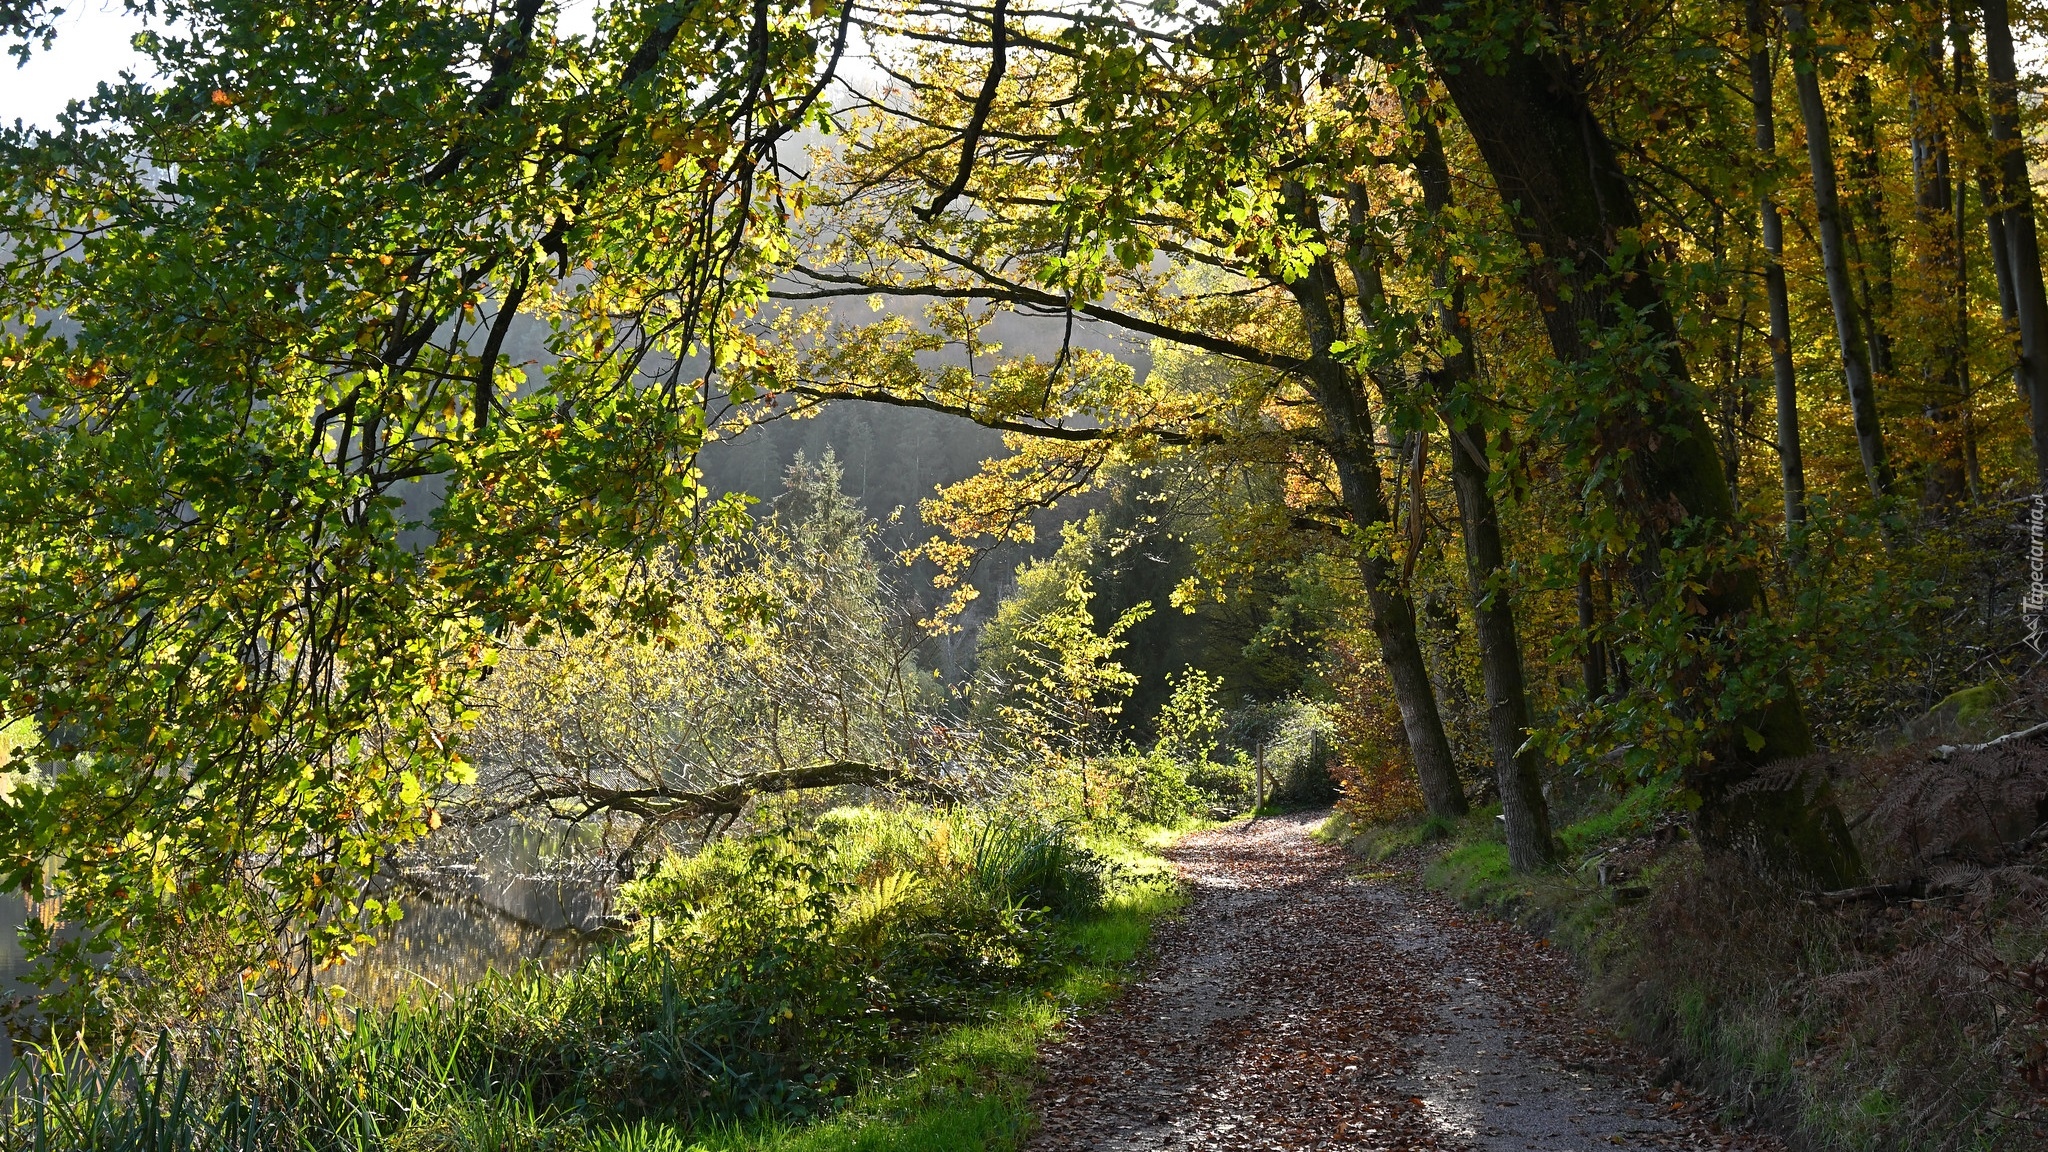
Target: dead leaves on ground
<point>1286,1010</point>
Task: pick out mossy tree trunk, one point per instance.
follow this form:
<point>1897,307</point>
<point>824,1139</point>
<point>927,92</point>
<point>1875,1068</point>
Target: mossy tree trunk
<point>1516,766</point>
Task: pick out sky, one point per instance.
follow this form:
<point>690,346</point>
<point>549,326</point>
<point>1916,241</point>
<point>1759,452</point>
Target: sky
<point>93,46</point>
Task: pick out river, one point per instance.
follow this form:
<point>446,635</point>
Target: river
<point>459,923</point>
<point>13,968</point>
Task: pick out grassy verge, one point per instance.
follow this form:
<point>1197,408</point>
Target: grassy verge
<point>880,981</point>
<point>1468,860</point>
<point>968,1090</point>
<point>1573,902</point>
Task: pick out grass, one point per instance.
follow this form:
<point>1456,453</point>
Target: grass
<point>882,984</point>
<point>1641,809</point>
<point>1475,870</point>
<point>1467,859</point>
<point>970,1088</point>
<point>1375,843</point>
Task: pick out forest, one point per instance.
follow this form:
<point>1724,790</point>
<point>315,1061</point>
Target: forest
<point>907,528</point>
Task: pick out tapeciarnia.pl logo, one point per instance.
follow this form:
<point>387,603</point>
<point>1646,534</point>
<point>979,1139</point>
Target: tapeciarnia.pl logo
<point>2035,601</point>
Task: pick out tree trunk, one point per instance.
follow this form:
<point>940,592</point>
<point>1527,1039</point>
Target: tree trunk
<point>1995,238</point>
<point>1947,480</point>
<point>1575,210</point>
<point>1961,239</point>
<point>1259,786</point>
<point>1874,267</point>
<point>1791,461</point>
<point>1517,769</point>
<point>2030,299</point>
<point>1348,437</point>
<point>1820,156</point>
<point>1970,115</point>
<point>2001,268</point>
<point>1593,657</point>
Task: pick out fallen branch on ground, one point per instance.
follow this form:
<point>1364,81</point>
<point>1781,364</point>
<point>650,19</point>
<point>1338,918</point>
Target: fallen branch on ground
<point>1947,750</point>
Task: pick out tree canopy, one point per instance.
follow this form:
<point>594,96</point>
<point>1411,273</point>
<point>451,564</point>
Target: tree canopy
<point>374,339</point>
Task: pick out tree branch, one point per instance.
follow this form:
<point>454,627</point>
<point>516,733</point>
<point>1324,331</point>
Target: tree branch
<point>999,62</point>
<point>1000,423</point>
<point>672,804</point>
<point>1011,292</point>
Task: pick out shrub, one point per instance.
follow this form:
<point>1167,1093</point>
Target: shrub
<point>1301,753</point>
<point>1298,741</point>
<point>1224,786</point>
<point>1124,788</point>
<point>766,977</point>
<point>1156,786</point>
<point>1036,866</point>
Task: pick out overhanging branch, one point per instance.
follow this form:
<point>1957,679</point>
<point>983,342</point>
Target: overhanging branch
<point>670,805</point>
<point>1001,290</point>
<point>1002,423</point>
<point>999,62</point>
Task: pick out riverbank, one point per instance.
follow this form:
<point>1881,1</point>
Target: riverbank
<point>970,1088</point>
<point>879,982</point>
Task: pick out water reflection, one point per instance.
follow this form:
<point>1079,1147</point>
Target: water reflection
<point>525,902</point>
<point>443,944</point>
<point>13,967</point>
<point>528,900</point>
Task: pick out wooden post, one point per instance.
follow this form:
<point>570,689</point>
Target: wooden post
<point>1259,789</point>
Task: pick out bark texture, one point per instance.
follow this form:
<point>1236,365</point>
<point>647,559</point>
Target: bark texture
<point>1517,771</point>
<point>1791,460</point>
<point>2030,299</point>
<point>1970,118</point>
<point>1592,657</point>
<point>1555,166</point>
<point>1348,437</point>
<point>1834,254</point>
<point>1870,234</point>
<point>1939,257</point>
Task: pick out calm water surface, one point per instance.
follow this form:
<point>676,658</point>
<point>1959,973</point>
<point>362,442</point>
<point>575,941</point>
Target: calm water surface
<point>13,910</point>
<point>470,925</point>
<point>445,942</point>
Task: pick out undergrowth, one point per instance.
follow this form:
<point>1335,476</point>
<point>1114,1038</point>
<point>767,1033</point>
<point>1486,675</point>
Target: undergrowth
<point>880,981</point>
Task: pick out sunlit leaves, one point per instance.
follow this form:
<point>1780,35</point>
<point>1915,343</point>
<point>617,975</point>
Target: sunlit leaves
<point>377,333</point>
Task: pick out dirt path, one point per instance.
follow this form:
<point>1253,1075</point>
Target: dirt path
<point>1297,1005</point>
